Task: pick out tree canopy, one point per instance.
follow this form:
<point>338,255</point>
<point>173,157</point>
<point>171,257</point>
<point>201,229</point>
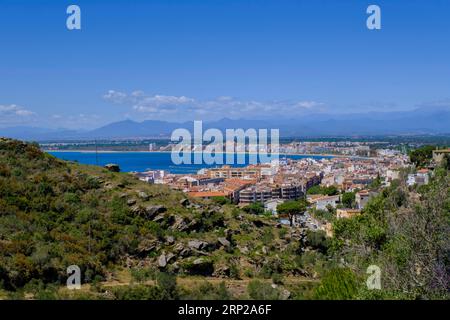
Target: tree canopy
<point>329,191</point>
<point>348,199</point>
<point>291,208</point>
<point>421,157</point>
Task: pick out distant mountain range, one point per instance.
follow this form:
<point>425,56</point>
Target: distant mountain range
<point>418,121</point>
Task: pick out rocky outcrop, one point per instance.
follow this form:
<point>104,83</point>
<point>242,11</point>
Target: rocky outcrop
<point>131,202</point>
<point>136,209</point>
<point>144,196</point>
<point>151,211</point>
<point>243,249</point>
<point>222,271</point>
<point>162,261</point>
<point>200,266</point>
<point>259,223</point>
<point>185,252</point>
<point>198,244</point>
<point>224,242</point>
<point>112,167</point>
<point>159,218</point>
<point>146,246</point>
<point>285,294</point>
<point>194,225</point>
<point>184,202</point>
<point>180,224</point>
<point>170,240</point>
<point>169,257</point>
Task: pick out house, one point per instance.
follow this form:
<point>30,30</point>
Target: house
<point>256,193</point>
<point>271,205</point>
<point>151,176</point>
<point>392,174</point>
<point>144,177</point>
<point>323,202</point>
<point>233,186</point>
<point>423,176</point>
<point>439,155</point>
<point>362,197</point>
<point>287,191</point>
<point>328,180</point>
<point>311,198</point>
<point>411,179</point>
<point>227,172</point>
<point>420,178</point>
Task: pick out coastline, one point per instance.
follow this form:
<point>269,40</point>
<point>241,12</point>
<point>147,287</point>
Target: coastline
<point>162,152</point>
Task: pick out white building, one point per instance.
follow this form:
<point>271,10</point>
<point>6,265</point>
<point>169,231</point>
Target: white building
<point>420,178</point>
<point>392,174</point>
<point>152,146</point>
<point>411,180</point>
<point>322,203</point>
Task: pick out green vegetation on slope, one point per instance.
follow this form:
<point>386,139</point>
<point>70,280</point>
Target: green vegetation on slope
<point>406,234</point>
<point>133,240</point>
<point>120,230</point>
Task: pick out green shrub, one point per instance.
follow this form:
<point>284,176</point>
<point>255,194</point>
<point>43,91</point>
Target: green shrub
<point>207,291</point>
<point>277,278</point>
<point>337,284</point>
<point>137,292</point>
<point>143,274</point>
<point>258,290</point>
<point>168,285</point>
<point>221,200</point>
<point>317,240</point>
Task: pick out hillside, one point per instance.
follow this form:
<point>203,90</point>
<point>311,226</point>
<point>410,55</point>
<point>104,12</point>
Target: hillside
<point>134,240</point>
<point>117,229</point>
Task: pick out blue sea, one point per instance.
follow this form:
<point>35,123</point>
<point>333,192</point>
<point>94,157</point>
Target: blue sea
<point>143,161</point>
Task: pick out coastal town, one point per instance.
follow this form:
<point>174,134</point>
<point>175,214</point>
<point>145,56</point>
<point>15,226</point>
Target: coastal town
<point>322,182</point>
<point>327,175</point>
<point>345,148</point>
<point>224,158</point>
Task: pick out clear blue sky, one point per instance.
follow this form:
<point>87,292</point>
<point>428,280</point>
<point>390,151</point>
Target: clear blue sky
<point>207,59</point>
